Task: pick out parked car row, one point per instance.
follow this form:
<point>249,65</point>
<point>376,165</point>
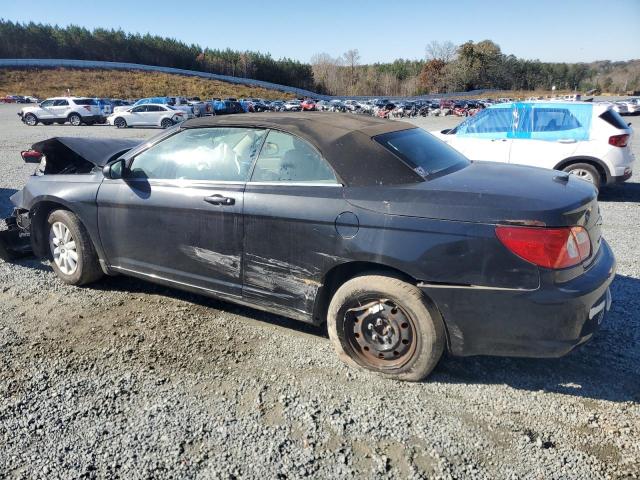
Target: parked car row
<point>18,99</point>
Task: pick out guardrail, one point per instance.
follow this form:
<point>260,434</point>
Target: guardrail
<point>300,92</point>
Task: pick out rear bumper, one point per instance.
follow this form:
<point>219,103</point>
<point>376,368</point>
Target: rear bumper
<point>547,322</point>
<point>622,178</point>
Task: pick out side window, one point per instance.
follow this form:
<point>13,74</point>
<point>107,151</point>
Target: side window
<point>553,120</point>
<point>60,103</point>
<point>47,103</point>
<point>217,154</point>
<point>154,108</point>
<point>141,108</point>
<point>489,123</point>
<point>285,158</point>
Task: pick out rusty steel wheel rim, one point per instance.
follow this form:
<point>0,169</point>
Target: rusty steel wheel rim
<point>380,333</point>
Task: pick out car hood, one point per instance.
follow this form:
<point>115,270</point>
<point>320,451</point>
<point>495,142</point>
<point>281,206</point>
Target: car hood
<point>61,152</point>
<point>485,192</point>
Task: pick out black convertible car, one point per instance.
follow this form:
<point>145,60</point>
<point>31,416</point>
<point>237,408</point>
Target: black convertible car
<point>403,246</point>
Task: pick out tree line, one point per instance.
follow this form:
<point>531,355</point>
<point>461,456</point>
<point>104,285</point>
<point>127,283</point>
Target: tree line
<point>36,40</point>
<point>470,66</point>
<point>445,68</point>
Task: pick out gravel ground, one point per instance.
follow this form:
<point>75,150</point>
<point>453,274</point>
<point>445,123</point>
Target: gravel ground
<point>130,380</point>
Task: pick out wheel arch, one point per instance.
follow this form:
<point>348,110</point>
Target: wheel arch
<point>39,212</point>
<point>341,273</point>
<point>598,164</point>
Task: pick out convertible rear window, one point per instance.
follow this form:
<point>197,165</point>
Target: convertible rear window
<point>423,152</point>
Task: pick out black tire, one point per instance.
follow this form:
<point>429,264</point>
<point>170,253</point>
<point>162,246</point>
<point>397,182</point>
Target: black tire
<point>120,122</point>
<point>585,171</point>
<point>423,327</point>
<point>30,119</point>
<point>166,123</point>
<point>87,266</point>
<point>75,119</point>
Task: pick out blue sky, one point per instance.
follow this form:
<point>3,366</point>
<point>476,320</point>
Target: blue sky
<point>558,30</point>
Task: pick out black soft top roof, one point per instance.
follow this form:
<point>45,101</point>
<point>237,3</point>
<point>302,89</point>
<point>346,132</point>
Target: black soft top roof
<point>344,140</point>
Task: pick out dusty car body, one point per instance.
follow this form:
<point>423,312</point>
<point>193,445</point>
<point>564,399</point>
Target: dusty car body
<point>395,240</point>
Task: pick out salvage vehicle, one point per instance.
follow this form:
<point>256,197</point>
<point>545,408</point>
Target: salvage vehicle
<point>147,115</point>
<point>75,110</point>
<point>589,140</point>
<point>404,247</point>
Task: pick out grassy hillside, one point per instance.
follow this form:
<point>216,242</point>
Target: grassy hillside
<point>44,83</point>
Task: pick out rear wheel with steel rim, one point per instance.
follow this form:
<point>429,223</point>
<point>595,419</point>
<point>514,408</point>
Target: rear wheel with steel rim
<point>30,119</point>
<point>586,172</point>
<point>166,123</point>
<point>384,324</point>
<point>74,258</point>
<point>74,119</point>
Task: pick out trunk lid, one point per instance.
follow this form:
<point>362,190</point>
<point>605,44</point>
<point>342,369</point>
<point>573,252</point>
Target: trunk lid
<point>487,192</point>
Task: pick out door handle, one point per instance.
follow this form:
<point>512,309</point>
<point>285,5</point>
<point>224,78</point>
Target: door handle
<point>220,200</point>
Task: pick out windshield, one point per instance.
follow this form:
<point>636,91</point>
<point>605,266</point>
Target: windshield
<point>423,152</point>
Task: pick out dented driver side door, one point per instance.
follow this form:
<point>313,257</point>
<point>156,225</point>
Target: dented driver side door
<point>177,215</point>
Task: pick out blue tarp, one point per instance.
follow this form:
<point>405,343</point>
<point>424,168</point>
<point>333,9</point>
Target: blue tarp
<point>550,121</point>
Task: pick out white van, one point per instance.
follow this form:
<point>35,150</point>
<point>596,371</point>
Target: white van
<point>590,140</point>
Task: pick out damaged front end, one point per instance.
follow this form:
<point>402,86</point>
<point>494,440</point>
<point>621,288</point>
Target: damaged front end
<point>55,156</point>
<point>15,234</point>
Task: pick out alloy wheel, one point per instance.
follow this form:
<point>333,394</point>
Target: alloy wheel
<point>63,248</point>
<point>583,174</point>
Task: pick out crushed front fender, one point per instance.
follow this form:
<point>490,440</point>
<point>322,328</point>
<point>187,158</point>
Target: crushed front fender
<point>15,238</point>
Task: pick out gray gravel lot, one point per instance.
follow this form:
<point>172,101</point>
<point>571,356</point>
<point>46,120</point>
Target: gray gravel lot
<point>130,380</point>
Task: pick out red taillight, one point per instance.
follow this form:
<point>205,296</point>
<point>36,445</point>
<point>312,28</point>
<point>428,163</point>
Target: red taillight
<point>31,155</point>
<point>547,247</point>
<point>619,140</point>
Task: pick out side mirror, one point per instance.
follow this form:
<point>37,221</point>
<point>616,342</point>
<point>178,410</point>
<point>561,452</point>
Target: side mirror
<point>114,170</point>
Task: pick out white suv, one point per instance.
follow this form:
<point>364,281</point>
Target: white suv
<point>590,140</point>
<point>75,110</point>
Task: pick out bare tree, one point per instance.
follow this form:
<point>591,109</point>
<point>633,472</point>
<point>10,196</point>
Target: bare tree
<point>444,51</point>
<point>351,60</point>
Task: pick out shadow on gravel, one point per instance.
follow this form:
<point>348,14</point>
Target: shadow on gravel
<point>5,204</point>
<point>626,192</point>
<point>605,368</point>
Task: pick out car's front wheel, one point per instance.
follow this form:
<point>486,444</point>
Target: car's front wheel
<point>74,258</point>
<point>30,119</point>
<point>586,172</point>
<point>382,323</point>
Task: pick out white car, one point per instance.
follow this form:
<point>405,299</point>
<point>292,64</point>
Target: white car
<point>147,115</point>
<point>179,103</point>
<point>587,139</point>
<point>293,106</point>
<point>75,110</point>
<point>632,106</point>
